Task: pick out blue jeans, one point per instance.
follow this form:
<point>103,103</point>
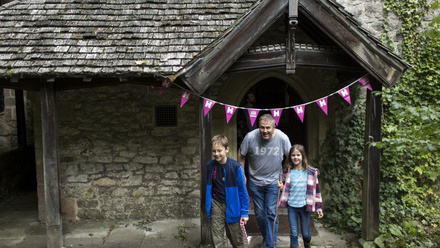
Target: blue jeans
<point>265,202</point>
<point>304,217</point>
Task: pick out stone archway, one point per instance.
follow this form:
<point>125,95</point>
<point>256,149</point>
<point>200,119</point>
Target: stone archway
<point>233,90</point>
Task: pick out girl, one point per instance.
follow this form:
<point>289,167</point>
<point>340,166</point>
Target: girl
<point>301,194</point>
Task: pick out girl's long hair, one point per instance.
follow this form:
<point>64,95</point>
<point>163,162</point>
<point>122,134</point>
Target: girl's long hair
<point>288,161</point>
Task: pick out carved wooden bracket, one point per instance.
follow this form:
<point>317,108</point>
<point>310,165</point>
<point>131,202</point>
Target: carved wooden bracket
<point>290,41</point>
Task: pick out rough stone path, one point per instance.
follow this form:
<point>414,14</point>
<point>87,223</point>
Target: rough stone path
<point>20,228</point>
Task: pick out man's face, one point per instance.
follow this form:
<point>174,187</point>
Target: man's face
<point>266,129</point>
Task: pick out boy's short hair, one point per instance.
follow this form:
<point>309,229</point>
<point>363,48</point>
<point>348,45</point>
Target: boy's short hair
<point>220,139</point>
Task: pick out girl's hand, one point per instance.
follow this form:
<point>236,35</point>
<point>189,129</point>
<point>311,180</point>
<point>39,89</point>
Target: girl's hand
<point>280,185</point>
<point>320,213</point>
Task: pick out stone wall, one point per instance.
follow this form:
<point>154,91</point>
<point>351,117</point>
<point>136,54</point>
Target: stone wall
<point>116,164</point>
<point>370,13</point>
<point>8,122</point>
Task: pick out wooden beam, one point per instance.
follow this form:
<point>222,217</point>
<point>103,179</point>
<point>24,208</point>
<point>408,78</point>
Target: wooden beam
<point>51,166</point>
<point>30,84</point>
<point>371,181</point>
<point>304,58</point>
<point>290,39</point>
<point>72,83</point>
<point>205,157</point>
<point>290,46</point>
<point>293,9</point>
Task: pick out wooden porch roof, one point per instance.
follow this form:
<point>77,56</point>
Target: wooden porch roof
<point>327,16</point>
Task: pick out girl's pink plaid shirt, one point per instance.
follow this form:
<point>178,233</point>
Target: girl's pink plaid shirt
<point>313,193</point>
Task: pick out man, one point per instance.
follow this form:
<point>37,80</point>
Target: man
<point>266,148</point>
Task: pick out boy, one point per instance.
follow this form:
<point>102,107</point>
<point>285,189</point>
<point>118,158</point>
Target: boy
<point>227,200</point>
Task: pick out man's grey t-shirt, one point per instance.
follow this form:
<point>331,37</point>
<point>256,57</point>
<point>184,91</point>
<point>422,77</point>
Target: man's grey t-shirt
<point>265,156</point>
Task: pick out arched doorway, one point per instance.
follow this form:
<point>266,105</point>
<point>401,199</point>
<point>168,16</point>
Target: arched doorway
<point>272,93</point>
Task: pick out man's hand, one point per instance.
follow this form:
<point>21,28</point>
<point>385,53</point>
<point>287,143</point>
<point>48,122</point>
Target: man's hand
<point>280,185</point>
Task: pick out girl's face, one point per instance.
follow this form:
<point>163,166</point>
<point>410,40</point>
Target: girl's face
<point>296,157</point>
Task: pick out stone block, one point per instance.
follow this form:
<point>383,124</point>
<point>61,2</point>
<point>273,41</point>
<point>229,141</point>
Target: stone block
<point>127,154</point>
<point>105,182</point>
<point>132,166</point>
<point>146,160</point>
<point>166,160</point>
<point>189,150</point>
<point>131,181</point>
<point>120,192</point>
<point>87,204</point>
<point>69,209</point>
<point>92,168</point>
<point>89,193</point>
<point>114,167</point>
<point>121,160</point>
<point>90,214</point>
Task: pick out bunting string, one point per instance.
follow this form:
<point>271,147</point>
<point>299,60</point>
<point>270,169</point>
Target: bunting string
<point>276,112</point>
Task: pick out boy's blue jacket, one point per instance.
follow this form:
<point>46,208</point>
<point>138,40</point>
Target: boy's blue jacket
<point>237,198</point>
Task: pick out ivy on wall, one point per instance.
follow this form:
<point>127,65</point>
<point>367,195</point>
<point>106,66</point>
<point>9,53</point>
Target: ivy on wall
<point>410,162</point>
<point>340,162</point>
<point>410,166</point>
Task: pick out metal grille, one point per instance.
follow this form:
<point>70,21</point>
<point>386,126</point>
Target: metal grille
<point>166,116</point>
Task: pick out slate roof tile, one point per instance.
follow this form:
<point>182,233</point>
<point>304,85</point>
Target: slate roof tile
<point>69,38</point>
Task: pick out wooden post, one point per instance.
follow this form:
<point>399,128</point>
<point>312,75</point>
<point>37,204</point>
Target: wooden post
<point>370,188</point>
<point>21,119</point>
<point>205,157</point>
<point>51,166</point>
<point>290,40</point>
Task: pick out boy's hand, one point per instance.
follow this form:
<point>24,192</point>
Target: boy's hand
<point>244,220</point>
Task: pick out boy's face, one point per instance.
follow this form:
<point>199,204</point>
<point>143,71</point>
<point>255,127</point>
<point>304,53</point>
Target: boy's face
<point>219,153</point>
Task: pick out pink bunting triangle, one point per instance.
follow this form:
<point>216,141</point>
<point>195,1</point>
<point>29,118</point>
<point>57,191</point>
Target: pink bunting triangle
<point>230,110</point>
<point>323,104</point>
<point>345,93</point>
<point>365,80</point>
<point>166,83</point>
<point>253,113</point>
<point>276,113</point>
<point>185,97</point>
<point>207,105</point>
<point>300,111</point>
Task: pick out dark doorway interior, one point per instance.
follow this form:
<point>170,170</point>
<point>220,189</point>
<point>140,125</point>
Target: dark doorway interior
<point>274,93</point>
<point>18,179</point>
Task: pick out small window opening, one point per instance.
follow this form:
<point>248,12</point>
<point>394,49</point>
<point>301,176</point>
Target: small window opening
<point>166,116</point>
